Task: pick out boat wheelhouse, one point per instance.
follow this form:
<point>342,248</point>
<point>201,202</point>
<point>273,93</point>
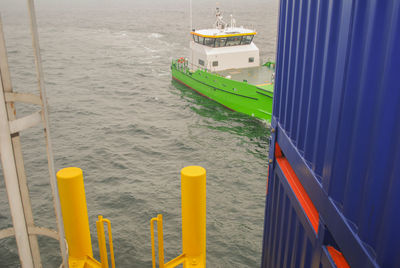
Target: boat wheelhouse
<point>223,47</point>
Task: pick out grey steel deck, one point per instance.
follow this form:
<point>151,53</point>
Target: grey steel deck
<point>256,75</point>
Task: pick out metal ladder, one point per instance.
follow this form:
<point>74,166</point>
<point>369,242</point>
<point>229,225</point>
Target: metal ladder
<point>24,228</point>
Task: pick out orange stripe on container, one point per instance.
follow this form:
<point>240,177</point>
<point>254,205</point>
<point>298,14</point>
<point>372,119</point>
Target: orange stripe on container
<point>337,257</point>
<point>297,188</point>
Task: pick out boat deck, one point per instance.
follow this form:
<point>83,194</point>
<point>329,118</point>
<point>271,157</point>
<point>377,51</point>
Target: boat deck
<point>259,76</point>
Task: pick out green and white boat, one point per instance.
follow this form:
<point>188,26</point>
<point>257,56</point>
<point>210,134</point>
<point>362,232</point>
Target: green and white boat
<point>224,65</point>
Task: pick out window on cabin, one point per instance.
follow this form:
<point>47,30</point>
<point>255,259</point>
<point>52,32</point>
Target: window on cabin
<point>196,38</point>
<point>215,63</point>
<point>247,39</point>
<point>234,41</point>
<point>209,42</point>
<point>220,42</point>
<point>201,62</point>
<point>251,59</point>
<point>201,40</point>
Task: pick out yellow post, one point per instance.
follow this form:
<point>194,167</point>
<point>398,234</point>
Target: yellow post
<point>153,250</point>
<point>74,212</point>
<point>160,241</point>
<point>102,242</point>
<point>193,187</point>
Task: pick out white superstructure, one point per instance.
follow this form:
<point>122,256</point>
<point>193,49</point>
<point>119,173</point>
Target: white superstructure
<point>223,47</point>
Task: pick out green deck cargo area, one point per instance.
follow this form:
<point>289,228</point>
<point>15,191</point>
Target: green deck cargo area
<point>252,96</point>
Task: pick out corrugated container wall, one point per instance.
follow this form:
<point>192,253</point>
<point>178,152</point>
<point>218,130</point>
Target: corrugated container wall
<point>336,136</point>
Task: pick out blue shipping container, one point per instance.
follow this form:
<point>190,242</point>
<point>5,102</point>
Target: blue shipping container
<point>337,121</point>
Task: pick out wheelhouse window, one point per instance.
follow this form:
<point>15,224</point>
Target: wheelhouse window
<point>201,62</point>
<point>209,42</point>
<point>247,39</point>
<point>215,63</point>
<point>223,41</point>
<point>251,59</point>
<point>201,40</point>
<point>234,41</point>
<point>220,42</point>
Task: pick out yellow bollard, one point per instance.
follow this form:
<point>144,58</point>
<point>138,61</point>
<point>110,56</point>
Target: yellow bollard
<point>193,187</point>
<point>74,212</point>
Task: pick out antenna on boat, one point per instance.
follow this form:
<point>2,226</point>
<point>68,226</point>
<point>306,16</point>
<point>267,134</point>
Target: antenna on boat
<point>191,15</point>
<point>219,23</point>
<point>233,22</point>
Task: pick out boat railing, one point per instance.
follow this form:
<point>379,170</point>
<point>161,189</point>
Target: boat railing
<point>184,65</point>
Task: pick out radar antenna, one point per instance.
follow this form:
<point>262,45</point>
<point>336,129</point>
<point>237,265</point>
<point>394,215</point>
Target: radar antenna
<point>233,22</point>
<point>219,24</point>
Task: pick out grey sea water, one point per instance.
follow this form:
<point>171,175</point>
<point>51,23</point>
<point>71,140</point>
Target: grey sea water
<point>116,114</point>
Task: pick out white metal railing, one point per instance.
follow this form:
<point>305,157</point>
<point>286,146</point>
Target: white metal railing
<point>24,229</point>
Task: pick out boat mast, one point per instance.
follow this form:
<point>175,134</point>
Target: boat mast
<point>190,15</point>
<point>219,23</point>
<point>233,22</point>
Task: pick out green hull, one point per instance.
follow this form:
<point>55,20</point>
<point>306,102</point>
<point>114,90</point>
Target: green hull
<point>238,96</point>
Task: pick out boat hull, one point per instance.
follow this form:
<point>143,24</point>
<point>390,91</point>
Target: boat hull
<point>235,95</point>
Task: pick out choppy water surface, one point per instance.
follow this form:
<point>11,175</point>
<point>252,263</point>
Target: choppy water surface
<point>116,114</point>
